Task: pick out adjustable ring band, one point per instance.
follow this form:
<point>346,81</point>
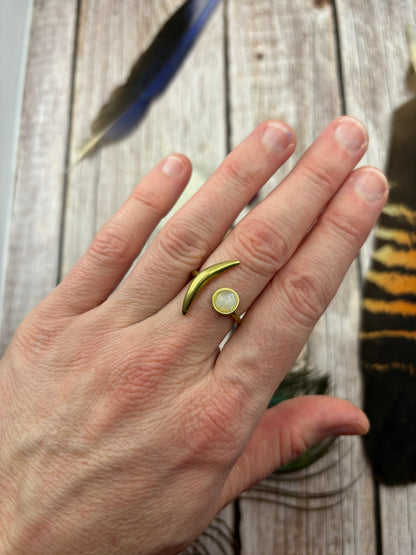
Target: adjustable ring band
<point>224,300</point>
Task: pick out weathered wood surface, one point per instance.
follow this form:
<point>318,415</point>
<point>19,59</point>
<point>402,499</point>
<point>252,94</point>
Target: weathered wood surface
<point>190,118</point>
<point>33,256</point>
<point>374,62</point>
<point>305,61</point>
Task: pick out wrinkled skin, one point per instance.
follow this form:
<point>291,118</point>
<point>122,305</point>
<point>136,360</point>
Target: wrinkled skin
<point>124,429</point>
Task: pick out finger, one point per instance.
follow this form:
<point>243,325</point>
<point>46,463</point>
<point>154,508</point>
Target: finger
<point>279,323</point>
<point>269,235</point>
<point>121,239</point>
<point>191,234</point>
<point>285,432</point>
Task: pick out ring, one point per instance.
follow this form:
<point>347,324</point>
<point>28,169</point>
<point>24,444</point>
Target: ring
<point>224,300</point>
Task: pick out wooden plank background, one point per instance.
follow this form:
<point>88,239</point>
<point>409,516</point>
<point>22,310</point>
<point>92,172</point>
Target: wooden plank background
<point>304,61</point>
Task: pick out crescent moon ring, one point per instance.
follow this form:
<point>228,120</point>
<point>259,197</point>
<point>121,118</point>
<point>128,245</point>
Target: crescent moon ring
<point>202,278</point>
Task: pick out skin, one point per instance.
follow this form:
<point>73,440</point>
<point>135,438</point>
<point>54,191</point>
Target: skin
<point>124,429</point>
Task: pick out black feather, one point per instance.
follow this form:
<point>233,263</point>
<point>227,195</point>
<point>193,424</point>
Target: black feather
<point>150,75</point>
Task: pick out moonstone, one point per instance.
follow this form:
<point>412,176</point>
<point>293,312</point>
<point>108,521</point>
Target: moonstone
<point>225,301</point>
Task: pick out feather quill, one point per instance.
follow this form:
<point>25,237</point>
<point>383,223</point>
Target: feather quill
<point>149,76</point>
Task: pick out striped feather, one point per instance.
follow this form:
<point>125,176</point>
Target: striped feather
<point>388,331</point>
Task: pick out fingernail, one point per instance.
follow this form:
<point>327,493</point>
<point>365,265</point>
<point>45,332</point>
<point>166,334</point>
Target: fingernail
<point>173,166</point>
<point>351,134</point>
<point>357,428</point>
<point>276,137</point>
<point>371,185</point>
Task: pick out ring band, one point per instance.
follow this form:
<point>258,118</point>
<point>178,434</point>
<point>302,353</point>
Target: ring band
<point>224,300</point>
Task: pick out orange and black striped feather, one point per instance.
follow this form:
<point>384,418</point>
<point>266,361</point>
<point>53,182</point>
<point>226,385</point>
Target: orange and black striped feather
<point>388,330</point>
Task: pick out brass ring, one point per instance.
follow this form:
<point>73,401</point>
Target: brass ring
<point>224,300</point>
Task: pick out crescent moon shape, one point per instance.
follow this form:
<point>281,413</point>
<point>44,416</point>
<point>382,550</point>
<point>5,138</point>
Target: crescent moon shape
<point>202,278</point>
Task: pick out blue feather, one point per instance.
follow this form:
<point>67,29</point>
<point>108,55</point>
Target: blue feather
<point>150,74</point>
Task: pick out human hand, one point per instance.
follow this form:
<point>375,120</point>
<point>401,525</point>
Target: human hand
<point>124,429</point>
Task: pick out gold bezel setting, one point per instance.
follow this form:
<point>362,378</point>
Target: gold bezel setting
<point>225,307</point>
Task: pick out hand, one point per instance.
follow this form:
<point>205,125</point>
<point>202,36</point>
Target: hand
<point>124,429</point>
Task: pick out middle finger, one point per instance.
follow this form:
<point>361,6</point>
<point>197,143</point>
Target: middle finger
<point>194,232</point>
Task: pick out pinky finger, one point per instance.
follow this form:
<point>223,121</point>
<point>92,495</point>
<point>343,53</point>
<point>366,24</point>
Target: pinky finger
<point>120,240</point>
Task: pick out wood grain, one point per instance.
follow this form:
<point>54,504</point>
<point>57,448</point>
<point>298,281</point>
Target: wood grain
<point>375,60</point>
<point>33,251</point>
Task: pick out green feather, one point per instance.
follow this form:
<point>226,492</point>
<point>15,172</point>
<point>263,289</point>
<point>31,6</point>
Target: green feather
<point>297,383</point>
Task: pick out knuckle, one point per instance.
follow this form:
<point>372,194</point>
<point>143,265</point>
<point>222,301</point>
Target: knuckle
<point>181,242</point>
<point>343,227</point>
<point>262,246</point>
<point>321,176</point>
<point>40,335</point>
<point>147,197</point>
<point>292,443</point>
<point>236,173</point>
<point>305,297</point>
<point>33,339</point>
<point>110,244</point>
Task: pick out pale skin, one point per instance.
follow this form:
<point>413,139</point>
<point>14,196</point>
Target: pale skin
<point>124,429</point>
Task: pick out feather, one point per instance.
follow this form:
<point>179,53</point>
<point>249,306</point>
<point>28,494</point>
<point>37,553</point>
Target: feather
<point>303,381</point>
<point>300,382</point>
<point>149,76</point>
<point>388,329</point>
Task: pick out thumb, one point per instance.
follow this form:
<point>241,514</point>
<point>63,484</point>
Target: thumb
<point>286,431</point>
